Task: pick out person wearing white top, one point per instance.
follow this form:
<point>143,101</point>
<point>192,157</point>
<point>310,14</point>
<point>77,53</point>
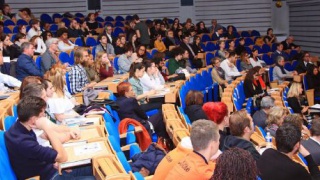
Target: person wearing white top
<point>150,79</point>
<point>35,29</point>
<point>254,60</point>
<point>38,42</point>
<point>8,80</point>
<point>64,44</point>
<point>229,68</point>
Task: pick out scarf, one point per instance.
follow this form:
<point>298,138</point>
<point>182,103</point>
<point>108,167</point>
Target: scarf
<point>282,69</point>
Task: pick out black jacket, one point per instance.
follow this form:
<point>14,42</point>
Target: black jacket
<point>195,112</point>
<point>250,89</point>
<point>185,47</point>
<point>233,141</point>
<point>129,108</point>
<point>301,68</point>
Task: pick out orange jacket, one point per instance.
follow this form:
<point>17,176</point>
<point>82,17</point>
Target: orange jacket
<point>169,161</point>
<point>191,167</point>
<point>143,138</point>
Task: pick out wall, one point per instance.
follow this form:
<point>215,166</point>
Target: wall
<point>280,20</point>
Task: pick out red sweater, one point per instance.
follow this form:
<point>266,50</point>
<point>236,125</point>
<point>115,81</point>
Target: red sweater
<point>104,73</point>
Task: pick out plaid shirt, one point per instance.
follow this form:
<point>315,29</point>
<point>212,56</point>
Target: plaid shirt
<point>78,78</point>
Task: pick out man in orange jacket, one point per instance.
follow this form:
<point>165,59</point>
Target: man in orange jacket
<point>197,165</point>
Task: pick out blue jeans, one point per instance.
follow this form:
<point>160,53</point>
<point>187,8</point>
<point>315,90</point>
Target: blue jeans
<point>80,173</point>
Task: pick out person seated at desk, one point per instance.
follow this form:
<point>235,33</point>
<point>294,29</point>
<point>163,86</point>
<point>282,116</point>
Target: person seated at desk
<point>194,102</point>
<point>140,54</point>
<point>251,85</point>
<point>245,62</point>
<point>228,65</point>
<point>313,143</point>
<point>297,120</point>
<point>217,73</point>
<point>151,79</point>
<point>103,65</point>
<point>294,99</point>
<point>255,60</point>
<point>260,116</point>
<point>28,158</point>
<point>303,64</point>
<point>125,59</point>
<point>279,52</point>
<point>275,119</point>
<point>313,82</point>
<point>278,164</point>
<point>89,66</point>
<point>174,62</point>
<point>280,74</point>
<point>129,108</point>
<point>64,44</point>
<point>159,44</point>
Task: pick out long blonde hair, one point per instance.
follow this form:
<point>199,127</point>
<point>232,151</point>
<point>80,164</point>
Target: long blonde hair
<point>57,77</point>
<point>294,90</point>
<point>275,115</point>
<point>98,61</point>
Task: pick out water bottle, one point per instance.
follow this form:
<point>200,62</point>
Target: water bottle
<point>268,140</point>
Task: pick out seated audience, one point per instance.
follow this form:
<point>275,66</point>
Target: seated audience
<point>26,66</point>
<point>222,50</point>
<point>25,14</point>
<point>302,66</point>
<point>170,39</point>
<point>39,45</point>
<point>280,74</point>
<point>74,30</point>
<point>140,54</point>
<point>27,157</point>
<point>77,74</point>
<point>235,163</point>
<point>217,73</point>
<point>92,23</point>
<point>228,65</point>
<point>192,55</point>
<point>129,108</point>
<point>297,120</point>
<point>275,119</point>
<point>159,60</point>
<point>194,102</point>
<point>84,29</point>
<point>245,62</point>
<point>151,79</point>
<point>20,38</point>
<point>159,44</point>
<point>7,14</point>
<point>204,137</point>
<point>185,63</point>
<point>279,52</point>
<point>196,45</point>
<point>35,29</point>
<point>278,164</point>
<point>172,158</point>
<point>90,68</point>
<point>255,60</point>
<point>260,116</point>
<point>201,28</point>
<point>230,33</point>
<point>64,44</point>
<point>313,143</point>
<point>136,72</point>
<point>132,40</point>
<point>313,82</point>
<point>218,35</point>
<point>108,31</point>
<point>104,45</point>
<point>288,43</point>
<point>50,57</point>
<point>103,65</point>
<point>174,62</point>
<point>241,129</point>
<point>293,99</point>
<point>214,26</point>
<point>232,45</point>
<point>46,35</point>
<point>240,48</point>
<point>270,37</point>
<point>251,85</point>
<point>9,49</point>
<point>218,113</point>
<point>125,59</point>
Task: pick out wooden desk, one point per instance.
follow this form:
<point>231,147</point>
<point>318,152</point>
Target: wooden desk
<point>108,168</point>
<point>83,154</point>
<point>91,133</point>
<point>171,93</point>
<point>112,82</point>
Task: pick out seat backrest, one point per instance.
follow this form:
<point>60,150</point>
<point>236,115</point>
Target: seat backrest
<point>79,42</point>
<point>116,65</point>
<point>68,81</point>
<point>38,62</point>
<point>270,74</point>
<point>114,143</point>
<point>305,83</point>
<point>8,122</point>
<point>6,171</point>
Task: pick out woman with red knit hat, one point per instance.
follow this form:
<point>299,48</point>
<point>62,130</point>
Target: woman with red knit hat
<point>218,113</point>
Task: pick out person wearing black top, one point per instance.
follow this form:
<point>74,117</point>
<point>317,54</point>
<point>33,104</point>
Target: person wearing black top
<point>192,55</point>
<point>278,164</point>
<point>240,48</point>
<point>251,84</point>
<point>304,63</point>
<point>201,28</point>
<point>169,40</point>
<point>293,99</point>
<point>230,33</point>
<point>92,23</point>
<point>313,78</point>
<point>196,47</point>
<point>194,101</point>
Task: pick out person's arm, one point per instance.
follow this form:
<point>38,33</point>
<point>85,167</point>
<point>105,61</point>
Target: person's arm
<point>294,104</point>
<point>31,69</point>
<point>278,72</point>
<point>216,78</point>
<point>122,62</point>
<point>138,110</point>
<point>106,73</point>
<point>228,70</point>
<point>312,166</point>
<point>63,47</point>
<point>150,84</point>
<point>9,80</point>
<point>62,116</point>
<point>138,33</point>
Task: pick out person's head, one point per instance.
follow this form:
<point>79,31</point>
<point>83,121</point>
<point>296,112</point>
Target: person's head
<point>196,40</point>
<point>244,56</point>
<point>232,57</point>
<point>215,62</point>
<point>157,25</point>
<point>56,75</point>
<point>6,9</point>
<point>269,31</point>
<point>158,36</point>
<point>90,62</point>
<point>231,43</point>
<point>21,38</point>
<point>62,33</point>
<point>235,163</point>
<point>315,127</point>
<point>290,39</point>
<point>205,137</point>
<point>91,17</point>
<point>170,33</point>
<point>74,24</point>
<point>35,23</point>
<point>187,25</point>
<point>185,55</point>
<point>27,48</point>
<point>252,75</point>
<point>280,60</point>
<point>46,35</point>
<point>150,67</point>
<point>128,50</point>
<point>122,39</point>
<point>194,98</point>
<point>179,33</point>
<point>255,52</point>
<point>185,38</point>
<point>48,87</point>
<point>136,18</point>
<point>81,56</point>
<point>279,47</point>
<point>124,89</point>
<point>25,11</point>
<point>177,53</point>
<point>103,39</point>
<point>295,90</point>
<point>214,22</point>
<point>52,44</point>
<point>30,110</point>
<point>312,70</point>
<point>136,70</point>
<point>83,24</point>
<point>241,41</point>
<point>220,30</point>
<point>230,28</point>
<point>222,45</point>
<point>34,89</point>
<point>109,29</point>
<point>61,25</point>
<point>141,51</point>
<point>30,79</point>
<point>132,37</point>
<point>295,119</point>
<point>276,116</point>
<point>241,124</point>
<point>267,103</point>
<point>6,40</point>
<point>101,60</point>
<point>288,138</point>
<point>306,56</point>
<point>217,112</point>
<point>22,29</point>
<point>202,25</point>
<point>34,40</point>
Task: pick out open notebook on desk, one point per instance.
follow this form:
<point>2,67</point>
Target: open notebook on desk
<point>83,153</point>
<point>86,134</point>
<point>316,106</point>
<point>82,121</point>
<point>160,93</point>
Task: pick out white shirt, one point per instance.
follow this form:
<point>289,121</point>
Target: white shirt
<point>41,47</point>
<point>110,37</point>
<point>256,63</point>
<point>32,33</point>
<point>65,47</point>
<point>150,82</point>
<point>229,71</point>
<point>58,105</point>
<point>8,80</point>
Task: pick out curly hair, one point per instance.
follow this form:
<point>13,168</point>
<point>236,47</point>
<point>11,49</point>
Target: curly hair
<point>216,111</point>
<point>235,163</point>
